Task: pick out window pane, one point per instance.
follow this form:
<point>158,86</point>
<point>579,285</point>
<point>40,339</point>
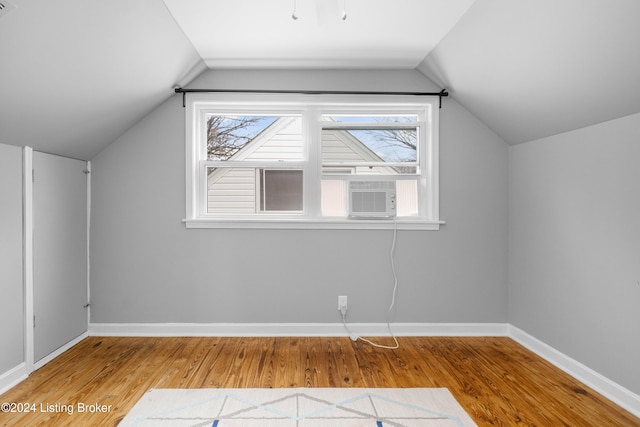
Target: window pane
<point>231,190</point>
<point>281,190</point>
<point>407,197</point>
<point>334,198</point>
<point>251,190</point>
<point>398,145</point>
<point>254,137</point>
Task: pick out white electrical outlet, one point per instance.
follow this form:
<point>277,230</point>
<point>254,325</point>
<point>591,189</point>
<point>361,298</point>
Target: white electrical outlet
<point>342,303</point>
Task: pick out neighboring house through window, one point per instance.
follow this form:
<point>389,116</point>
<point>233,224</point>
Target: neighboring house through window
<point>288,161</point>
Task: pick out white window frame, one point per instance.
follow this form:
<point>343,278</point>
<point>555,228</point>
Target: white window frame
<point>311,107</point>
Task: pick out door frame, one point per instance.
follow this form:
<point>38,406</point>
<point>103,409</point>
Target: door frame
<point>27,201</point>
<point>29,311</point>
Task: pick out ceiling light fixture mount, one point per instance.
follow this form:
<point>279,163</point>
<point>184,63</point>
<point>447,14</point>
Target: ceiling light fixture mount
<point>6,7</point>
<point>295,17</point>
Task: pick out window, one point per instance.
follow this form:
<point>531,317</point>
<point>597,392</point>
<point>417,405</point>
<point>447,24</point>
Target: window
<point>288,161</point>
<point>248,156</point>
<point>372,145</point>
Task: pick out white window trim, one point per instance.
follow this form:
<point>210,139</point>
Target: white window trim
<point>198,104</point>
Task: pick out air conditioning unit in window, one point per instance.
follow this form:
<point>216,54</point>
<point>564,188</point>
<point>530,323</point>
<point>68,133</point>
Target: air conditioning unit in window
<point>372,199</point>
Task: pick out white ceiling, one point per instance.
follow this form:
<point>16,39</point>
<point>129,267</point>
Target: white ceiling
<point>262,34</point>
<point>76,74</point>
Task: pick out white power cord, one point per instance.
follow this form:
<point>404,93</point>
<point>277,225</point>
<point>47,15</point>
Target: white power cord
<point>343,310</point>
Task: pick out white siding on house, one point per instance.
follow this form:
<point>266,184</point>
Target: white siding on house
<point>232,190</point>
<point>334,148</point>
<point>284,142</point>
<point>341,146</point>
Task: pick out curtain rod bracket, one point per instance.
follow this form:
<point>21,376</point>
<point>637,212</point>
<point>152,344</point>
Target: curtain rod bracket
<point>443,92</point>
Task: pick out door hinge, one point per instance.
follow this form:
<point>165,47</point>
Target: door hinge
<point>33,175</point>
<point>34,321</point>
<point>86,171</point>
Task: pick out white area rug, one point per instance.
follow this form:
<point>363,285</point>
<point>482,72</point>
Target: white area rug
<point>299,407</point>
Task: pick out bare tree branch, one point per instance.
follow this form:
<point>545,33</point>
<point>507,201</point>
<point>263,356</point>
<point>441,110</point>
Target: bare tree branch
<point>226,136</point>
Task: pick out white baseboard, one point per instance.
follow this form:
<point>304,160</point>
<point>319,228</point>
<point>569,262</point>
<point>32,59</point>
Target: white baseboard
<point>18,374</point>
<point>40,363</point>
<point>611,390</point>
<point>296,329</point>
<point>12,377</point>
<point>616,393</point>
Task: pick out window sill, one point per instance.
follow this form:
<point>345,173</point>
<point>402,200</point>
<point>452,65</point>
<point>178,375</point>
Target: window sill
<point>315,224</point>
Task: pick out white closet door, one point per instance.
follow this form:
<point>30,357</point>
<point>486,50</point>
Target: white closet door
<point>59,252</point>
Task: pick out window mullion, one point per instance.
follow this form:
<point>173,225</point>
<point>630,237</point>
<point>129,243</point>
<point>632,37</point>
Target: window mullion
<point>431,148</point>
<point>311,133</point>
<point>201,189</point>
<point>267,164</point>
<point>369,125</point>
<point>370,164</point>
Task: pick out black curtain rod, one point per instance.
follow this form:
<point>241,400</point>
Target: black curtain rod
<point>184,92</point>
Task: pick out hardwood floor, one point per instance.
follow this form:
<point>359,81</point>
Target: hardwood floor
<point>497,381</point>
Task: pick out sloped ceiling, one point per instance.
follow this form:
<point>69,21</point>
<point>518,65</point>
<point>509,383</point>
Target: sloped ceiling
<point>76,74</point>
<point>534,68</point>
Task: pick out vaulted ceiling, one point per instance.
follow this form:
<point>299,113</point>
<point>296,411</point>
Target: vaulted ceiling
<point>76,74</point>
<point>262,34</point>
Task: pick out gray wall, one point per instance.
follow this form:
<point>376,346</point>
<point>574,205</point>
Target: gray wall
<point>11,282</point>
<point>147,267</point>
<point>575,245</point>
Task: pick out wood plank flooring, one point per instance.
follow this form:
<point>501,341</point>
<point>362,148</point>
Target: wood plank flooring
<point>497,381</point>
